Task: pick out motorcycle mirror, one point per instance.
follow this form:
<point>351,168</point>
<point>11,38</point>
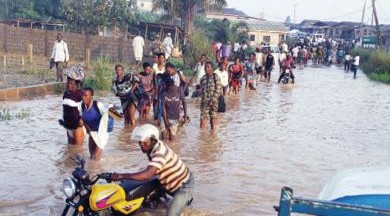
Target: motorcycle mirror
<point>79,160</point>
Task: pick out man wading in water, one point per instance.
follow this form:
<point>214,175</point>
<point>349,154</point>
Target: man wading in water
<point>210,85</point>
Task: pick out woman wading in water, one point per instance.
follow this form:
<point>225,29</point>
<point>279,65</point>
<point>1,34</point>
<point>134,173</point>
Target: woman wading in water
<point>96,121</point>
<point>71,115</point>
<point>124,87</point>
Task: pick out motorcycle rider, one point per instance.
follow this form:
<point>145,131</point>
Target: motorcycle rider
<point>172,173</point>
<point>287,64</point>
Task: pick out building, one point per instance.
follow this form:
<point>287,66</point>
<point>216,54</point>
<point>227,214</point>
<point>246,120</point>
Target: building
<point>230,14</point>
<point>261,31</point>
<point>342,30</point>
<point>345,30</point>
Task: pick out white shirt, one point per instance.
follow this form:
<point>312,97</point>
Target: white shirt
<point>138,46</point>
<point>236,47</point>
<point>295,51</point>
<point>348,57</point>
<point>138,41</point>
<point>224,75</point>
<point>284,47</point>
<point>282,57</point>
<point>156,70</point>
<point>219,45</point>
<point>356,60</point>
<point>60,52</point>
<point>168,43</point>
<point>259,58</point>
<point>200,72</point>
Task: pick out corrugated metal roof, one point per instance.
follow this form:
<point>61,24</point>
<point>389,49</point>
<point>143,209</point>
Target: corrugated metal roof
<point>259,25</point>
<point>234,12</point>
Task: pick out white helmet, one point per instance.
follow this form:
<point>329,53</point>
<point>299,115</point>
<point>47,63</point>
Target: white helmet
<point>143,132</point>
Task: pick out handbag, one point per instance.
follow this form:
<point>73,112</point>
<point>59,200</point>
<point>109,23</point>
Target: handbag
<point>110,125</point>
<point>221,104</point>
<point>221,99</point>
<point>51,64</point>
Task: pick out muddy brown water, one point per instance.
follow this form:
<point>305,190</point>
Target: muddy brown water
<point>297,136</point>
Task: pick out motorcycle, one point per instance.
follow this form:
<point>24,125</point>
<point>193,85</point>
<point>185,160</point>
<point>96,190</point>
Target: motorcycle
<point>286,76</point>
<point>89,196</point>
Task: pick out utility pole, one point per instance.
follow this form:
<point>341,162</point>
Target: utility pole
<point>378,30</point>
<point>361,24</point>
<point>295,13</point>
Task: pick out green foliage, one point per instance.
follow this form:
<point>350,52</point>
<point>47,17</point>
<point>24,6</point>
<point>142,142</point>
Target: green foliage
<point>181,65</point>
<point>380,77</point>
<point>183,9</point>
<point>89,15</point>
<point>198,44</point>
<point>375,63</point>
<point>39,10</point>
<point>223,30</point>
<point>7,115</point>
<point>101,75</point>
<point>143,16</point>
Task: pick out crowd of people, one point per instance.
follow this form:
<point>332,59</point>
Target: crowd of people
<point>323,53</point>
<point>158,93</point>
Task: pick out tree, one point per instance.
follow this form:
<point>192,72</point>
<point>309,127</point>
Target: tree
<point>223,30</point>
<point>185,9</point>
<point>38,10</point>
<point>89,16</point>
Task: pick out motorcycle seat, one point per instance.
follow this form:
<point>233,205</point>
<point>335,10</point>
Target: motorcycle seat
<point>137,189</point>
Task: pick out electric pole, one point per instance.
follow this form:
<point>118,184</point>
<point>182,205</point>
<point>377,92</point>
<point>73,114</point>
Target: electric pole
<point>378,30</point>
<point>361,24</point>
<point>295,13</point>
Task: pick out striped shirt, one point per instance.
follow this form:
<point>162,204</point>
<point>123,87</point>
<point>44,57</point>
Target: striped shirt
<point>172,172</point>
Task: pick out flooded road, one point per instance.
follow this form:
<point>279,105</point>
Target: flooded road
<point>297,136</point>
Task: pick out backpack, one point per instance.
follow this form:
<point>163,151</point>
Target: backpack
<point>110,124</point>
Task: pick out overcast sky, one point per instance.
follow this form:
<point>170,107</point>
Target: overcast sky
<point>327,10</point>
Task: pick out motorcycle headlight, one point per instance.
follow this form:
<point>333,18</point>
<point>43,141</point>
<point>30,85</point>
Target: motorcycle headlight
<point>69,188</point>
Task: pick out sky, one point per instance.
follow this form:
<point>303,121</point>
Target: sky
<point>326,10</point>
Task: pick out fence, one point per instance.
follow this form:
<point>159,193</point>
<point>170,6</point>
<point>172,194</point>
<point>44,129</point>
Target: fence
<point>25,52</point>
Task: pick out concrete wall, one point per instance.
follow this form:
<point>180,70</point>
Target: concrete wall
<point>15,40</point>
<point>31,92</point>
<point>275,37</point>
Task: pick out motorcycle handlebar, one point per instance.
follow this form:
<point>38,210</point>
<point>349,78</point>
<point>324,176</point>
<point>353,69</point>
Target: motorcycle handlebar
<point>106,176</point>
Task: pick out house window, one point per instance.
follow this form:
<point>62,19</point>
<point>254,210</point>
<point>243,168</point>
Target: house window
<point>252,37</point>
<point>266,39</point>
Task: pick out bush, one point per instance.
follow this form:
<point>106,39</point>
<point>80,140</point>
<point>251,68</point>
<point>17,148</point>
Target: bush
<point>381,77</point>
<point>179,63</point>
<point>102,73</point>
<point>198,44</point>
<point>375,63</point>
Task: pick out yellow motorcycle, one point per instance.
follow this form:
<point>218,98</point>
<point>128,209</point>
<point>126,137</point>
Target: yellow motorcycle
<point>89,196</point>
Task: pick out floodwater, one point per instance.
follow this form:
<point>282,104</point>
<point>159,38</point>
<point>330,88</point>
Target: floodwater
<point>297,136</point>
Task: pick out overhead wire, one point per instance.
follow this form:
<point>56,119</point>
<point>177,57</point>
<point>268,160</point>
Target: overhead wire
<point>383,12</point>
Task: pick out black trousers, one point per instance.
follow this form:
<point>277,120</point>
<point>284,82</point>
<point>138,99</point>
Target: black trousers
<point>283,73</point>
<point>347,65</point>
